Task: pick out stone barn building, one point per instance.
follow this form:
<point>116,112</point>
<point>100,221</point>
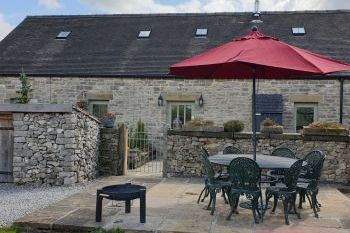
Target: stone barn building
<point>119,63</point>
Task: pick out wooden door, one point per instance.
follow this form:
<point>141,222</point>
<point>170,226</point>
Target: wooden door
<point>6,148</point>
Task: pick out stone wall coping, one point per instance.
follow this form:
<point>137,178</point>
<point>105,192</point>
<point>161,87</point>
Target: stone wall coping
<point>40,108</point>
<point>87,114</point>
<point>248,135</point>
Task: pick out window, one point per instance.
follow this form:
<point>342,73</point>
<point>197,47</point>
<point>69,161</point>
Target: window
<point>144,34</point>
<point>98,108</point>
<point>180,113</point>
<point>298,31</point>
<point>201,32</point>
<point>63,35</point>
<point>304,114</point>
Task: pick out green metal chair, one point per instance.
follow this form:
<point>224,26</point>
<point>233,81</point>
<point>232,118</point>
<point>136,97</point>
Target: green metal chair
<point>308,181</point>
<point>278,174</point>
<point>244,175</point>
<point>231,150</point>
<point>287,192</point>
<point>213,185</point>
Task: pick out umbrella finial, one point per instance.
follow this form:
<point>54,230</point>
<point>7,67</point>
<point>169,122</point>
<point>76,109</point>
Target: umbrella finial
<point>254,28</point>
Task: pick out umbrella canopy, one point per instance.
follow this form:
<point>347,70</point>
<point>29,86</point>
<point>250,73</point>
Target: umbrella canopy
<point>270,57</point>
<point>256,55</point>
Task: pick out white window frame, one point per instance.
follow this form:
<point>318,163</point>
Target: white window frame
<point>92,102</point>
<point>172,103</point>
<point>304,105</point>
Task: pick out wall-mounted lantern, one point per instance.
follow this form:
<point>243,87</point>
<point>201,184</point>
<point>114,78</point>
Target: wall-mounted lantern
<point>200,101</point>
<point>160,100</point>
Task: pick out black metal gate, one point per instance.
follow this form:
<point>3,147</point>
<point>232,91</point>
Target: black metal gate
<point>145,153</point>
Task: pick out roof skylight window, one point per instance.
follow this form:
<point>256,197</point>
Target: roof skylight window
<point>201,32</point>
<point>63,35</point>
<point>144,34</point>
<point>298,31</point>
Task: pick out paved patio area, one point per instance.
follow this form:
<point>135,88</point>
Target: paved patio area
<point>171,207</point>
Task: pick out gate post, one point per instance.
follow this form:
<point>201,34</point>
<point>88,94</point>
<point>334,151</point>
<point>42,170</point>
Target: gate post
<point>123,146</point>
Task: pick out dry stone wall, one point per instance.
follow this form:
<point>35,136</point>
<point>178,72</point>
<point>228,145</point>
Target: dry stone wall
<point>183,150</point>
<point>55,148</point>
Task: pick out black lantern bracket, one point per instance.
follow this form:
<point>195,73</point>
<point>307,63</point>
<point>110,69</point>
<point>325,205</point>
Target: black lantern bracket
<point>201,101</point>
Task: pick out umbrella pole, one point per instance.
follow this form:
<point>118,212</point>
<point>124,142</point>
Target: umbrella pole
<point>254,115</point>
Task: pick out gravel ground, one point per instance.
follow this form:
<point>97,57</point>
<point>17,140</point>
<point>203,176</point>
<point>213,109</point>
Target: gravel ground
<point>17,201</point>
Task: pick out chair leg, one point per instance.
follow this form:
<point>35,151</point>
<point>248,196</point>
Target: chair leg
<point>200,195</point>
<point>205,194</point>
<point>275,199</point>
<point>224,195</point>
<point>233,200</point>
<point>301,197</point>
<point>285,207</point>
<point>213,194</point>
<point>308,198</point>
<point>255,209</point>
<point>314,203</point>
<point>294,206</point>
<point>267,198</point>
<point>210,201</point>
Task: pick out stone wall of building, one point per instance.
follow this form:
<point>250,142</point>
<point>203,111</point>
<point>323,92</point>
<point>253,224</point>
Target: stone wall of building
<point>136,98</point>
<point>110,161</point>
<point>183,150</point>
<point>55,148</point>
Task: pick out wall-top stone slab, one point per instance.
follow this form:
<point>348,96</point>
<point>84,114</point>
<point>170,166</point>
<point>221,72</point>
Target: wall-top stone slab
<point>35,108</point>
<point>55,148</point>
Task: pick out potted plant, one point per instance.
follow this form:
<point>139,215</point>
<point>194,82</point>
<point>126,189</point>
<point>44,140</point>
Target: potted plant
<point>233,126</point>
<point>82,102</point>
<point>325,128</point>
<point>268,126</point>
<point>108,120</point>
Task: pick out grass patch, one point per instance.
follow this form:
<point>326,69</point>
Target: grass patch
<point>9,230</point>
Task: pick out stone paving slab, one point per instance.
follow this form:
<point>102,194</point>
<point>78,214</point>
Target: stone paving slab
<point>172,208</point>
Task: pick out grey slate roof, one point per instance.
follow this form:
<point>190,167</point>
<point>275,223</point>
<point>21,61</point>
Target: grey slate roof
<point>269,103</point>
<point>107,44</point>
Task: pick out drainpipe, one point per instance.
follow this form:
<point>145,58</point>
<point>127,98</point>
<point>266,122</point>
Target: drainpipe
<point>341,101</point>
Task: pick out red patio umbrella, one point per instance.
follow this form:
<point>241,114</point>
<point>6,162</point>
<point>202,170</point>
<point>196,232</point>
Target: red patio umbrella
<point>256,55</point>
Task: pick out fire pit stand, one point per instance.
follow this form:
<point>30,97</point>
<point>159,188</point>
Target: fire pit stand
<point>123,192</point>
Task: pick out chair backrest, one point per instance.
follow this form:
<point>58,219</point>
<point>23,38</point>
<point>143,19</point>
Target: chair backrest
<point>292,175</point>
<point>231,150</point>
<point>314,163</point>
<point>283,152</point>
<point>208,168</point>
<point>244,173</point>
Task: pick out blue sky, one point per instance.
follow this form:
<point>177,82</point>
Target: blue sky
<point>12,12</point>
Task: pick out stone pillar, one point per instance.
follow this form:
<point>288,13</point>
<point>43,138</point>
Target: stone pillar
<point>110,162</point>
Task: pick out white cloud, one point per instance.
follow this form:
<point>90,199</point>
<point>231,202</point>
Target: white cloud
<point>5,27</point>
<point>153,6</point>
<point>51,4</point>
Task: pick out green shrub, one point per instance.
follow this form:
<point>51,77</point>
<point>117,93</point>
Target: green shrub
<point>12,229</point>
<point>139,139</point>
<point>24,90</point>
<point>233,126</point>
